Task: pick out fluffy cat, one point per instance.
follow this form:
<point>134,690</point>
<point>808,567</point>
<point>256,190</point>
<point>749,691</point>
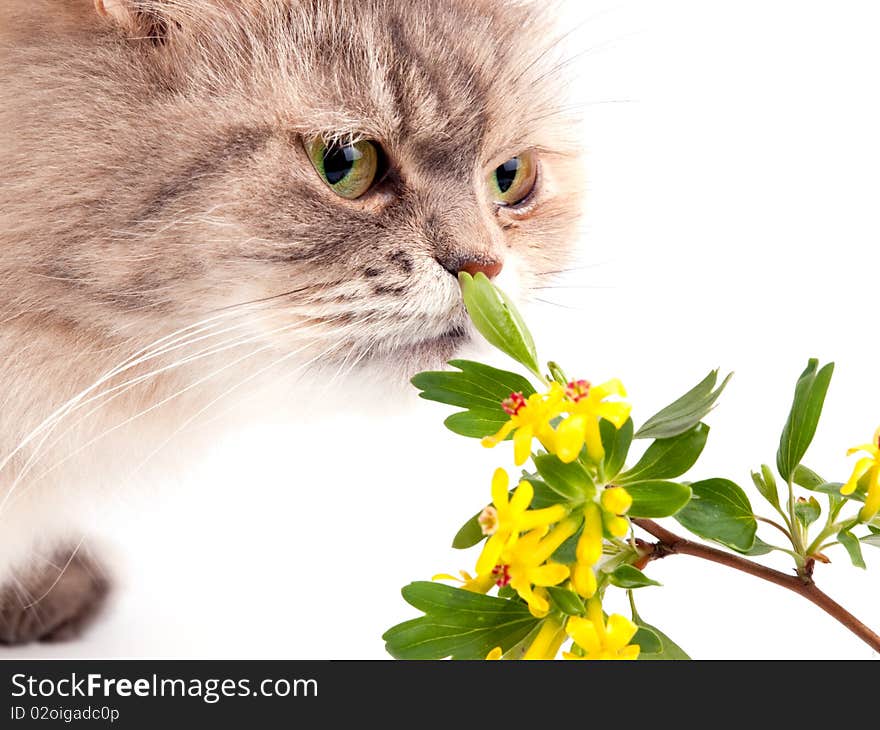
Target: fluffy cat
<point>198,195</point>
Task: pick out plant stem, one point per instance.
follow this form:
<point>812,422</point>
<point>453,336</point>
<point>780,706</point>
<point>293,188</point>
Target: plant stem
<point>671,544</point>
<point>779,527</point>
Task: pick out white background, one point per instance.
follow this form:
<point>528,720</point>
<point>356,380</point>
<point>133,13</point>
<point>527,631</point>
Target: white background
<point>734,150</point>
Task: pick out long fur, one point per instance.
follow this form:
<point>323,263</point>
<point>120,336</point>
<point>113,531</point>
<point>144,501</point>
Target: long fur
<point>166,246</point>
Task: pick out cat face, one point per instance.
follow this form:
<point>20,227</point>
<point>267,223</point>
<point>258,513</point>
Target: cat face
<point>328,164</point>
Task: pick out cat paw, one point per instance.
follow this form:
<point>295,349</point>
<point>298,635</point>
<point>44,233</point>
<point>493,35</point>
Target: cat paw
<point>54,602</point>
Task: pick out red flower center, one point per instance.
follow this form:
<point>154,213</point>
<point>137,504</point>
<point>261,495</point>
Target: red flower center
<point>577,389</point>
<point>503,575</point>
<point>513,404</point>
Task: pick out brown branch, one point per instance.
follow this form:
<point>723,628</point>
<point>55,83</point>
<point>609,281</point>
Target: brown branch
<point>671,544</point>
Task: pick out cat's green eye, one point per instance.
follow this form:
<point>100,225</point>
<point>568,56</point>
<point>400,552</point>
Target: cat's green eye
<point>349,169</point>
<point>513,181</point>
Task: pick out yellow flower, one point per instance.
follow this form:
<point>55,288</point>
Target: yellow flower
<point>615,502</point>
<point>586,404</point>
<point>474,584</point>
<point>512,517</point>
<point>588,551</point>
<point>548,640</point>
<point>527,563</point>
<point>869,465</point>
<point>495,653</point>
<point>589,547</point>
<point>583,579</point>
<point>600,640</point>
<point>529,418</point>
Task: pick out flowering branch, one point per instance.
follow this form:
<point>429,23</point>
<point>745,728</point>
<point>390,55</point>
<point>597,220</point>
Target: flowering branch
<point>555,543</point>
<point>671,544</point>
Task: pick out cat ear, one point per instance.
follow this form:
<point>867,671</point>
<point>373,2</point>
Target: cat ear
<point>137,17</point>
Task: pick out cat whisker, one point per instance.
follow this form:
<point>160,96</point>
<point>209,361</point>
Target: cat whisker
<point>161,403</point>
<point>226,394</point>
<point>76,549</point>
<point>573,286</point>
<point>122,388</point>
<point>578,267</point>
<point>130,362</point>
<point>557,304</point>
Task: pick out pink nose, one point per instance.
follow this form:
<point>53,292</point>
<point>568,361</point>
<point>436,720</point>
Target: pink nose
<point>490,268</point>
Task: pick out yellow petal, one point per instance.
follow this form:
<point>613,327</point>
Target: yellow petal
<point>872,498</point>
<point>616,412</point>
<point>616,500</point>
<point>480,584</point>
<point>495,653</point>
<point>609,387</point>
<point>630,652</point>
<point>593,439</point>
<point>539,517</point>
<point>554,539</point>
<point>522,497</point>
<point>538,605</point>
<point>491,441</point>
<point>570,438</point>
<point>522,445</point>
<point>491,554</point>
<point>862,466</point>
<point>584,634</point>
<point>500,484</point>
<point>446,576</point>
<point>619,631</point>
<point>547,436</point>
<point>547,642</point>
<point>595,614</point>
<point>584,580</point>
<point>568,655</point>
<point>617,526</point>
<point>550,574</point>
<point>589,547</point>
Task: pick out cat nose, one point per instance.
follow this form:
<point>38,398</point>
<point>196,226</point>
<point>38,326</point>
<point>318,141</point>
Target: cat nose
<point>491,267</point>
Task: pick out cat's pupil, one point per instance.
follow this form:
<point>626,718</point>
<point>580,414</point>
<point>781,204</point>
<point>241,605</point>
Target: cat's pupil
<point>506,174</point>
<point>339,161</point>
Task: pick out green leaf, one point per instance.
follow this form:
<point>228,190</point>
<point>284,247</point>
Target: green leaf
<point>476,423</point>
<point>807,511</point>
<point>720,511</point>
<point>648,641</point>
<point>669,457</point>
<point>851,543</point>
<point>806,478</point>
<point>686,412</point>
<point>809,397</point>
<point>544,496</point>
<point>657,498</point>
<point>567,601</point>
<point>557,373</point>
<point>470,534</point>
<point>498,320</point>
<point>668,649</point>
<point>472,386</point>
<point>616,442</point>
<point>628,576</point>
<point>872,539</point>
<point>759,548</point>
<point>477,387</point>
<point>766,485</point>
<point>833,488</point>
<point>457,624</point>
<point>567,552</point>
<point>571,481</point>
